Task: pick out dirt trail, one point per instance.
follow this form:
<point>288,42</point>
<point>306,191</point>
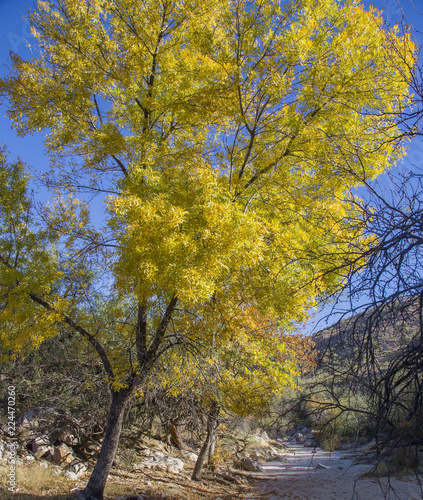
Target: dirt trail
<point>307,474</point>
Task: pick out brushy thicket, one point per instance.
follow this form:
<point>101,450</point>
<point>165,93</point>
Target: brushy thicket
<point>65,375</point>
<point>58,376</point>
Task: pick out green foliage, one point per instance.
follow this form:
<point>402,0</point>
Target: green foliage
<point>26,263</point>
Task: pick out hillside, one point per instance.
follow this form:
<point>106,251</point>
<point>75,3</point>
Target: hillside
<point>378,334</point>
<point>368,380</point>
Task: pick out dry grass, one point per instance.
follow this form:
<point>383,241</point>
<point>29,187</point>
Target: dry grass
<point>35,479</point>
<point>41,481</point>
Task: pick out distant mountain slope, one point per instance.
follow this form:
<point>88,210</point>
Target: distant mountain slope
<point>380,332</point>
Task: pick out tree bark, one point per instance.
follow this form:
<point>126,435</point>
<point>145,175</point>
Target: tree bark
<point>176,438</point>
<point>212,449</point>
<point>97,482</point>
<point>212,425</point>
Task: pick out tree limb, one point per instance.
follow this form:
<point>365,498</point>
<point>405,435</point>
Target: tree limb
<point>91,339</point>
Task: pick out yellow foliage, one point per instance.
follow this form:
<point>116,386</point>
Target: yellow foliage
<point>245,360</point>
<point>225,139</point>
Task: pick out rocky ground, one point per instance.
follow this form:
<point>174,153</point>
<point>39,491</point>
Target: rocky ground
<point>150,469</point>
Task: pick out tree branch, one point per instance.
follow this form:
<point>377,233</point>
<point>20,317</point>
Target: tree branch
<point>78,328</point>
<point>141,333</point>
<point>121,165</point>
<point>161,329</point>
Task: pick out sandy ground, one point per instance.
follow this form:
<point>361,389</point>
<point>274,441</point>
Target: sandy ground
<point>299,475</point>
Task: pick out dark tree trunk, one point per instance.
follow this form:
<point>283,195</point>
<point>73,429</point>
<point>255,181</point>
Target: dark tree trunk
<point>97,482</point>
<point>212,425</point>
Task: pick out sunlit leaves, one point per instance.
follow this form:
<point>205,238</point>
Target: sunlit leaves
<point>26,264</point>
<point>245,361</point>
<point>225,135</point>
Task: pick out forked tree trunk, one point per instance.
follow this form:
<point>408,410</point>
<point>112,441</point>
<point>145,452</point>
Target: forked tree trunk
<point>97,482</point>
<point>212,425</point>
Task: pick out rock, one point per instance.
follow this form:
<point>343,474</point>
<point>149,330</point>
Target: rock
<point>91,448</point>
<point>251,465</point>
<point>169,464</point>
<point>309,443</point>
<point>2,450</point>
<point>174,465</point>
<point>77,468</point>
<point>71,475</point>
<point>261,440</point>
<point>265,436</point>
<point>30,419</point>
<point>62,454</point>
<point>58,425</point>
<point>189,455</point>
<point>40,441</point>
<point>44,453</point>
<point>321,466</point>
<point>41,447</point>
<point>300,433</point>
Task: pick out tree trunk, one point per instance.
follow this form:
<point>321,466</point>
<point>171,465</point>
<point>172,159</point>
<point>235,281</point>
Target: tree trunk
<point>176,438</point>
<point>212,449</point>
<point>97,482</point>
<point>212,425</point>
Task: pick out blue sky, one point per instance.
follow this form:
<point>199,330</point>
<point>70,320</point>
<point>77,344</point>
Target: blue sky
<point>14,34</point>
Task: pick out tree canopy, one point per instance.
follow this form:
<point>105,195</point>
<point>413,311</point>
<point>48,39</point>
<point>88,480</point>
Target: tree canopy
<point>222,137</point>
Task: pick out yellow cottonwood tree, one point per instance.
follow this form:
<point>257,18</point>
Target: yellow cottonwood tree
<point>244,362</point>
<point>221,136</point>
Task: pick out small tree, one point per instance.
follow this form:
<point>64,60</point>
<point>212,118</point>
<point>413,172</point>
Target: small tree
<point>243,364</point>
<point>389,331</point>
<point>221,136</point>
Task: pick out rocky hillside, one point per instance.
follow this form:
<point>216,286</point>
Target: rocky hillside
<point>383,331</point>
